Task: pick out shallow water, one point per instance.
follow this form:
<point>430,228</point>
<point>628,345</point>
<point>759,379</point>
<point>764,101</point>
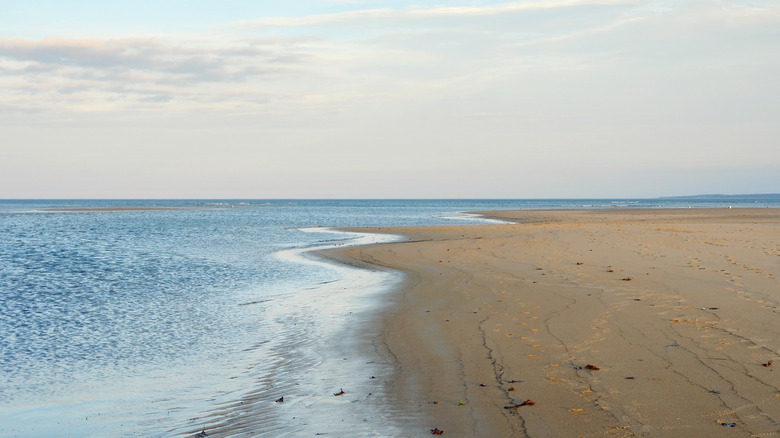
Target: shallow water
<point>120,320</point>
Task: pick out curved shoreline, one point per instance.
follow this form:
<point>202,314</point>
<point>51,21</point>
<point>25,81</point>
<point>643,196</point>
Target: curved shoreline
<point>491,316</point>
<point>329,374</point>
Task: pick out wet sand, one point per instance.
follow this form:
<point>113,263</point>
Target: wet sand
<point>586,323</point>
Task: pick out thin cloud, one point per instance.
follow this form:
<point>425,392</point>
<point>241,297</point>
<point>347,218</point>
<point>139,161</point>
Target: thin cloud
<point>435,12</point>
<point>65,71</point>
<point>199,63</point>
<point>415,54</point>
<point>19,109</point>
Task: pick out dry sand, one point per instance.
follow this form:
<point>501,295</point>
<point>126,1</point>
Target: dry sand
<point>609,323</point>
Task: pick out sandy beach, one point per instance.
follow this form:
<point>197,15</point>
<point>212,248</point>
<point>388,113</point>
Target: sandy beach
<point>660,323</point>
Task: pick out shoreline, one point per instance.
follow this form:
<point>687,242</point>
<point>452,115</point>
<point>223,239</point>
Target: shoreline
<point>541,311</point>
<point>327,381</point>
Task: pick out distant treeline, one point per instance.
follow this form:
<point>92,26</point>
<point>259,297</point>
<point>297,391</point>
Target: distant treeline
<point>766,196</point>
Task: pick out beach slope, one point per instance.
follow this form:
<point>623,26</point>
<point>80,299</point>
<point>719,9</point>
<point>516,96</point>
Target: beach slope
<point>586,323</point>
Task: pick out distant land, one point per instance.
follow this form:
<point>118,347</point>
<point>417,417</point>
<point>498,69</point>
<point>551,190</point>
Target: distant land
<point>766,196</point>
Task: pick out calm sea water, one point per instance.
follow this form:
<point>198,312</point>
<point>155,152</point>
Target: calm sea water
<point>166,318</point>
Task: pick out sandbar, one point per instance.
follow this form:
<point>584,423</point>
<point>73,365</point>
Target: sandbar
<point>661,323</point>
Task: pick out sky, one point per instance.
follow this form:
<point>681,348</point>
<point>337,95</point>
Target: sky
<point>388,99</point>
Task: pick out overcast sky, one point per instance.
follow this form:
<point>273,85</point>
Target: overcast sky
<point>398,99</point>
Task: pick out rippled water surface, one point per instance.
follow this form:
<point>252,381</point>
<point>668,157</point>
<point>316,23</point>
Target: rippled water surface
<point>159,318</point>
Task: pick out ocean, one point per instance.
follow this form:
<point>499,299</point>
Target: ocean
<point>172,318</point>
